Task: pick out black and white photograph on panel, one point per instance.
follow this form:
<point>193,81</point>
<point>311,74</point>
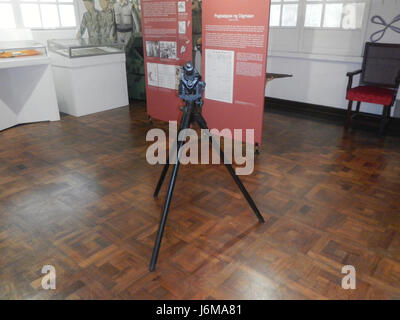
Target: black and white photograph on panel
<point>168,49</point>
<point>153,49</point>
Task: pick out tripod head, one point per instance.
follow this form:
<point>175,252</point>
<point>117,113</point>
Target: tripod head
<point>191,87</point>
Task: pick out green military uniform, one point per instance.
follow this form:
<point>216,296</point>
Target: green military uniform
<point>90,22</point>
<point>107,24</point>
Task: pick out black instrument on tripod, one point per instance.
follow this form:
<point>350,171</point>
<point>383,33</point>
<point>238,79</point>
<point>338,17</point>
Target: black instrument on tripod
<point>191,89</point>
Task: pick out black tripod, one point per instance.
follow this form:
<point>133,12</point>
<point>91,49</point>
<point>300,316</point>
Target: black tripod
<point>191,89</point>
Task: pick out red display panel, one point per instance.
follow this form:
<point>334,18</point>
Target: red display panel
<point>167,43</point>
<point>235,38</point>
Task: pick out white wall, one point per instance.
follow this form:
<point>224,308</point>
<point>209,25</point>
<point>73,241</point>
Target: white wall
<point>321,79</point>
<point>316,81</point>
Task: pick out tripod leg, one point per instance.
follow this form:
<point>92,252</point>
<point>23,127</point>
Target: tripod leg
<point>166,167</point>
<point>161,180</point>
<point>185,124</point>
<point>243,189</point>
<point>161,227</point>
<point>203,125</point>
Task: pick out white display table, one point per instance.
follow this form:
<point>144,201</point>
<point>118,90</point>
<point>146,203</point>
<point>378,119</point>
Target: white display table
<point>27,92</point>
<point>86,85</point>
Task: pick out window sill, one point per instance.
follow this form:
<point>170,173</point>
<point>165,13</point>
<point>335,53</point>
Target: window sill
<point>333,29</point>
<point>283,27</point>
<point>311,56</point>
<point>53,29</point>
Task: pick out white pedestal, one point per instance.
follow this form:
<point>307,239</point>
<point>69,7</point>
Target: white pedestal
<point>27,92</point>
<point>90,84</point>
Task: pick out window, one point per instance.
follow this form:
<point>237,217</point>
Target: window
<point>37,14</point>
<point>345,14</point>
<point>47,13</point>
<point>7,19</point>
<point>284,13</point>
<point>332,27</point>
<point>342,14</point>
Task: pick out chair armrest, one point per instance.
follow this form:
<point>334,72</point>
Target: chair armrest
<point>351,75</point>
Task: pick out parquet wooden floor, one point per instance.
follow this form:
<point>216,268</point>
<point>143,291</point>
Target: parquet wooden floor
<point>77,194</point>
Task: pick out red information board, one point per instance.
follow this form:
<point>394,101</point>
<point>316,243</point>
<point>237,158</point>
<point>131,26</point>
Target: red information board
<point>235,37</point>
<point>167,43</point>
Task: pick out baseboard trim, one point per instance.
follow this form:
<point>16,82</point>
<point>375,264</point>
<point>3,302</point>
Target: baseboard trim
<point>326,113</point>
<point>306,109</point>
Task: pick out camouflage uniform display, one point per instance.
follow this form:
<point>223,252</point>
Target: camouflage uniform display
<point>91,23</point>
<point>136,18</point>
<point>107,24</point>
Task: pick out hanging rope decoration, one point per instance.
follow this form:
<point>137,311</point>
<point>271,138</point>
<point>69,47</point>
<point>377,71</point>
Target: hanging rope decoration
<point>378,35</point>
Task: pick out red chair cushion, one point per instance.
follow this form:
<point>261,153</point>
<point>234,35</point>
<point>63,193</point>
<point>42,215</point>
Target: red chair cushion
<point>372,95</point>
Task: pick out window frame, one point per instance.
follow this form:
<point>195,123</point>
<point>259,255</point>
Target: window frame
<point>13,9</point>
<point>301,13</point>
<point>324,3</point>
<point>294,41</point>
<point>19,22</point>
<point>281,3</point>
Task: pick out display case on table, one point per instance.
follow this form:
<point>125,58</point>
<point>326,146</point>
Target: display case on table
<point>27,92</point>
<point>78,48</point>
<point>21,49</point>
<point>90,75</point>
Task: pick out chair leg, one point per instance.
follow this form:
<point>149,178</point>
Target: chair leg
<point>385,119</point>
<point>358,106</point>
<point>348,117</point>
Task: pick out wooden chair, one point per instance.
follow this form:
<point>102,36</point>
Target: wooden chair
<point>379,81</point>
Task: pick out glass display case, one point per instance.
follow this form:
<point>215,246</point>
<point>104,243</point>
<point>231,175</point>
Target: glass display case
<point>15,49</point>
<point>76,48</point>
